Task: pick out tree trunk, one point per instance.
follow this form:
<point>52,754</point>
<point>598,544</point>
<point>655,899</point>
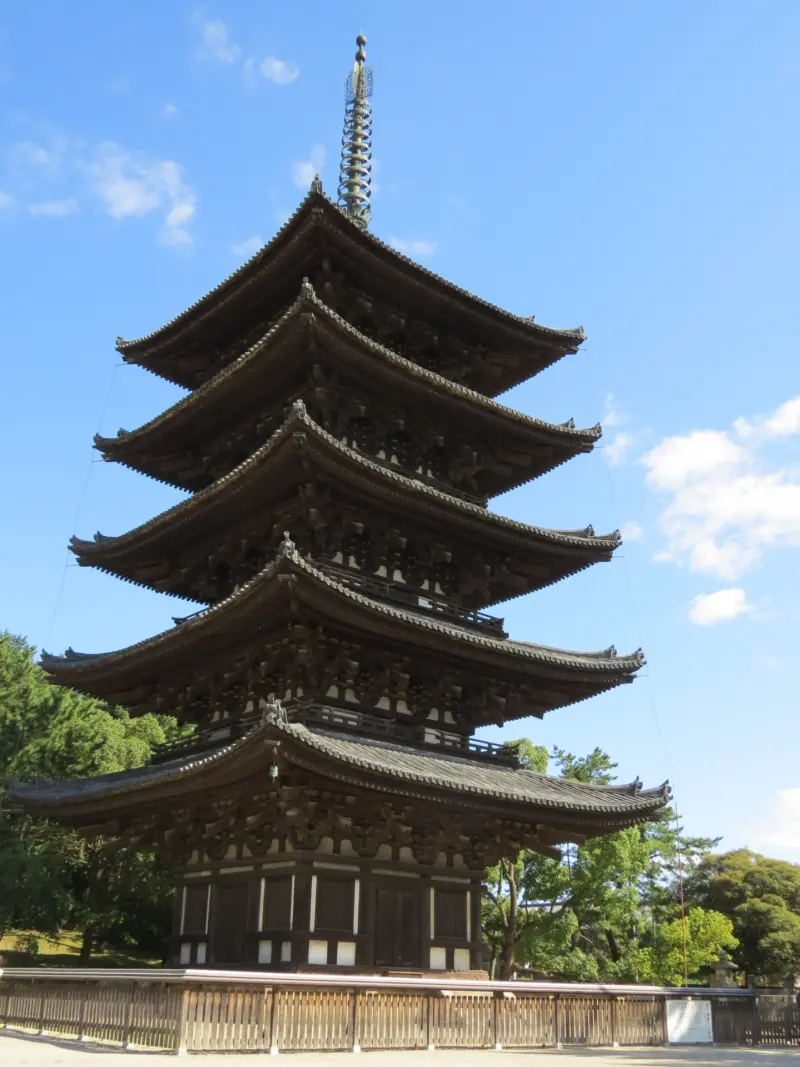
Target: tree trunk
<point>87,947</point>
<point>508,951</point>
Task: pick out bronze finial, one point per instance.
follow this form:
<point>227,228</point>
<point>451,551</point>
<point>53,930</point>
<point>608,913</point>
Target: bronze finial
<point>355,172</point>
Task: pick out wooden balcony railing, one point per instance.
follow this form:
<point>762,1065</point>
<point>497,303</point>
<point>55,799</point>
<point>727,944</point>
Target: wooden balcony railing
<point>420,600</point>
<point>337,716</point>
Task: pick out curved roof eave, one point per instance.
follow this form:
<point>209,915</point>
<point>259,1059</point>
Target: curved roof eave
<point>567,431</point>
<point>102,544</point>
<point>606,662</point>
<point>136,349</point>
<point>443,771</point>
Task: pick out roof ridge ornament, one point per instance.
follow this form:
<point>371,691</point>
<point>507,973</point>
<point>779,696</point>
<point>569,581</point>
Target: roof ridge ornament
<point>316,185</point>
<point>355,171</point>
<point>287,546</point>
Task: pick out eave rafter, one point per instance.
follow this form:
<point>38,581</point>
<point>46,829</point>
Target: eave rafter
<point>558,810</point>
<point>306,592</point>
<point>535,346</point>
<point>299,453</point>
<point>286,361</point>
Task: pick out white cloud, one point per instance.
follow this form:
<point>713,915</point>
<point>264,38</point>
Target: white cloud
<point>707,609</point>
<point>278,71</point>
<point>632,531</point>
<point>616,451</point>
<point>169,110</point>
<point>247,248</point>
<point>6,201</point>
<point>783,421</point>
<point>30,154</point>
<point>728,502</point>
<point>215,43</point>
<point>130,185</point>
<point>612,416</point>
<point>303,170</point>
<point>54,208</point>
<point>782,825</point>
<point>415,247</point>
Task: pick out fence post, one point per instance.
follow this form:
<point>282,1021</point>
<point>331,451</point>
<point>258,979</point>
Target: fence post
<point>4,1009</point>
<point>495,1023</point>
<point>557,1020</point>
<point>356,1021</point>
<point>128,1025</point>
<point>428,1030</point>
<point>183,1021</point>
<point>82,1013</point>
<point>664,1027</point>
<point>613,1020</point>
<point>42,1010</point>
<point>273,1023</point>
<point>756,1019</point>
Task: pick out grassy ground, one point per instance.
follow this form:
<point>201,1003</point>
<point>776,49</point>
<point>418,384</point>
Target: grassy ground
<point>63,951</point>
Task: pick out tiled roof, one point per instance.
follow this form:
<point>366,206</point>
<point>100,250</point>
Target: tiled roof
<point>288,560</point>
<point>404,765</point>
<point>236,480</point>
<point>316,198</point>
<point>566,431</point>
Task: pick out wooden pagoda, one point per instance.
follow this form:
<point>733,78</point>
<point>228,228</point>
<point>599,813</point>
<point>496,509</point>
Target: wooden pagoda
<point>341,442</point>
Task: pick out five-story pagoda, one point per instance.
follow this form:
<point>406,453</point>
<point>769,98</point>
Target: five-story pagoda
<point>340,442</point>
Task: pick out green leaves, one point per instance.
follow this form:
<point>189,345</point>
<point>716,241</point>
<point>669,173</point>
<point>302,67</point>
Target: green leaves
<point>761,898</point>
<point>50,877</point>
<point>596,913</point>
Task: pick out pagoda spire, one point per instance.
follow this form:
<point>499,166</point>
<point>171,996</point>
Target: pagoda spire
<point>355,172</point>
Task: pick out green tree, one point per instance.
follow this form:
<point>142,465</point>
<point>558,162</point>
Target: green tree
<point>761,897</point>
<point>502,917</point>
<point>706,932</point>
<point>50,877</point>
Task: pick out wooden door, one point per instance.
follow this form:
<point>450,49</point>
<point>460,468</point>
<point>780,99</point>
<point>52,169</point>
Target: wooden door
<point>397,933</point>
<point>229,923</point>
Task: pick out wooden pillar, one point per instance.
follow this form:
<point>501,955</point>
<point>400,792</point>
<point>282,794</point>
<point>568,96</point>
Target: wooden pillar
<point>557,1020</point>
<point>612,1008</point>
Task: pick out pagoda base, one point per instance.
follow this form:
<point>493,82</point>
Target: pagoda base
<point>325,911</point>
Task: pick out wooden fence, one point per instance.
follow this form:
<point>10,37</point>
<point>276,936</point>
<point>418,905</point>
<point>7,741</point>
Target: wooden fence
<point>239,1011</point>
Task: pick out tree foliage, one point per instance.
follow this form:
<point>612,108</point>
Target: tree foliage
<point>761,898</point>
<point>605,909</point>
<point>50,877</point>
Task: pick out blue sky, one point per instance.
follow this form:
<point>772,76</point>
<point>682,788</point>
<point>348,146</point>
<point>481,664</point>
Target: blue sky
<point>632,167</point>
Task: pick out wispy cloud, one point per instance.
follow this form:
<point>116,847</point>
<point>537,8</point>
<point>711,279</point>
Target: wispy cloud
<point>53,176</point>
<point>728,500</point>
<point>54,208</point>
<point>132,185</point>
<point>631,531</point>
<point>413,247</point>
<point>612,416</point>
<point>215,44</point>
<point>781,828</point>
<point>707,609</point>
<point>303,170</point>
<point>618,449</point>
<point>247,248</point>
<point>278,71</point>
<point>7,201</point>
<point>170,110</point>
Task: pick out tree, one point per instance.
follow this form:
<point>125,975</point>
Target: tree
<point>502,919</point>
<point>706,933</point>
<point>761,897</point>
<point>50,877</point>
<point>595,911</point>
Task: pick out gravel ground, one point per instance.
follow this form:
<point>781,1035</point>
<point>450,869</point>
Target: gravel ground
<point>25,1050</point>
